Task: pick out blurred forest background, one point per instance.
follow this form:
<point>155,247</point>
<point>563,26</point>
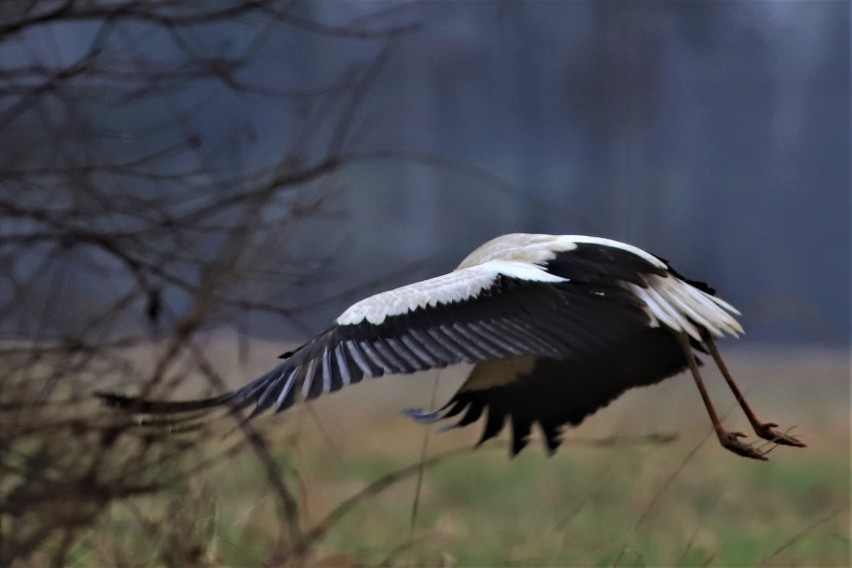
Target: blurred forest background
<point>186,188</point>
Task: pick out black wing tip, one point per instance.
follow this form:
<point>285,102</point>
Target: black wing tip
<point>552,440</point>
<point>140,405</point>
<point>518,444</point>
<point>519,441</point>
<point>421,416</point>
<point>116,400</point>
<point>552,444</point>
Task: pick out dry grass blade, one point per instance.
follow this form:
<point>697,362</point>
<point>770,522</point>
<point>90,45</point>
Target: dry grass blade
<point>319,530</point>
<point>374,488</point>
<point>658,495</point>
<point>415,504</point>
<point>801,534</point>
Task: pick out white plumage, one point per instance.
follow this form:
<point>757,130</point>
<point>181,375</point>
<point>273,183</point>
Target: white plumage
<point>668,300</point>
<point>682,307</point>
<point>457,286</point>
<point>557,325</point>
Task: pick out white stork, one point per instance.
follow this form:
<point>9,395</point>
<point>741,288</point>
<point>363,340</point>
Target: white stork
<point>557,326</point>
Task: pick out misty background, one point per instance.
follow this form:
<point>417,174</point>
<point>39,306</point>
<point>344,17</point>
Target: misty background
<point>713,134</point>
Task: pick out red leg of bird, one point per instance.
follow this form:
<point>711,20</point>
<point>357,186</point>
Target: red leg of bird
<point>763,429</point>
<point>729,440</point>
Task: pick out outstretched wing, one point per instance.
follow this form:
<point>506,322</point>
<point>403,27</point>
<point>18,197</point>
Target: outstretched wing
<point>553,393</point>
<point>495,310</point>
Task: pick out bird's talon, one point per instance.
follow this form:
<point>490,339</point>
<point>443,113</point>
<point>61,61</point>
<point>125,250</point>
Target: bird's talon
<point>730,441</point>
<point>767,432</point>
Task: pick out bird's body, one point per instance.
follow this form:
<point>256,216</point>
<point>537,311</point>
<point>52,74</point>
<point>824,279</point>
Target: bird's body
<point>556,325</point>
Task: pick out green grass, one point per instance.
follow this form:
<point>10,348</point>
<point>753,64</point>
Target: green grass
<point>580,508</point>
<point>625,504</point>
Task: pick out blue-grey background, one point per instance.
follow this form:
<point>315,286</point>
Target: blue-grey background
<point>714,134</point>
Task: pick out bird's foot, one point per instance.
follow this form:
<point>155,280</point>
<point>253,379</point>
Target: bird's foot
<point>730,441</point>
<point>766,430</point>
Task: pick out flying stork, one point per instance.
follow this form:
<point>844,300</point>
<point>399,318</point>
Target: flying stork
<point>557,326</point>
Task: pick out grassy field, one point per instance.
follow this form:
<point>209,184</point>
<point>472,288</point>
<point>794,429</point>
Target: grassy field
<point>627,501</point>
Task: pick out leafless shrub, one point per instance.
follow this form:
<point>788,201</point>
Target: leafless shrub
<point>120,227</point>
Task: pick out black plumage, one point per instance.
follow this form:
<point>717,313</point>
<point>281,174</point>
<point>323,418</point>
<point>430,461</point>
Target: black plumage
<point>559,392</point>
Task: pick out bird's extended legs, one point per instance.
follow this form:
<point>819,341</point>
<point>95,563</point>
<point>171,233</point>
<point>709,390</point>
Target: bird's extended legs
<point>765,430</point>
<point>729,440</point>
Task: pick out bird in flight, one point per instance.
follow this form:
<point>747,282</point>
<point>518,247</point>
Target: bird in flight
<point>557,327</point>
